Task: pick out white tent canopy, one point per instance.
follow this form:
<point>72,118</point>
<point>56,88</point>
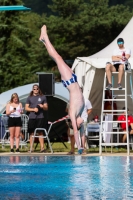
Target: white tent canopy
<point>90,70</point>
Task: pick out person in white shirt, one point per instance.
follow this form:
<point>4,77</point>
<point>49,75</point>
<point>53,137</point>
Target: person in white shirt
<point>14,111</point>
<point>87,110</point>
<point>119,58</point>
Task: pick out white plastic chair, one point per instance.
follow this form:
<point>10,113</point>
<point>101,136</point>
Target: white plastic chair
<point>5,139</point>
<point>93,132</point>
<point>46,132</point>
<point>39,136</point>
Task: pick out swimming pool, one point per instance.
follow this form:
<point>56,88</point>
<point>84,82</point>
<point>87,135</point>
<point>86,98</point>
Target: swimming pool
<point>66,177</point>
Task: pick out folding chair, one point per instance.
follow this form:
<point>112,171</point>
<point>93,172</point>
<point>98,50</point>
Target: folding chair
<point>5,140</point>
<point>24,130</point>
<point>131,141</point>
<point>46,132</point>
<point>2,129</point>
<point>92,132</point>
<point>45,137</point>
<point>24,127</point>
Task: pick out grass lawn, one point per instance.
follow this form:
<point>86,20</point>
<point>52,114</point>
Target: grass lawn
<point>59,147</point>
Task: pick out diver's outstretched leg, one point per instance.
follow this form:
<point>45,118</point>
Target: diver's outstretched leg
<point>65,71</point>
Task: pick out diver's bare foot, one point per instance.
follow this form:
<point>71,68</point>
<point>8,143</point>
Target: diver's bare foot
<point>43,33</point>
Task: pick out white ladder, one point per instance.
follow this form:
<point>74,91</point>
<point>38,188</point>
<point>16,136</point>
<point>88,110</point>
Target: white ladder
<point>121,98</point>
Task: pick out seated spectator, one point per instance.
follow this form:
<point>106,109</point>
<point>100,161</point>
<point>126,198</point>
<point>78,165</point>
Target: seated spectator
<point>123,124</point>
<point>119,59</point>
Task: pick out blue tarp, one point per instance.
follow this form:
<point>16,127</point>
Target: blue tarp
<point>6,8</point>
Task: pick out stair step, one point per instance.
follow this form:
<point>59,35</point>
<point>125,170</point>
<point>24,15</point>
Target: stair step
<point>114,111</point>
<point>114,132</point>
<point>122,95</point>
<point>114,99</point>
<point>115,121</point>
<point>112,144</point>
<point>115,89</point>
<point>128,71</point>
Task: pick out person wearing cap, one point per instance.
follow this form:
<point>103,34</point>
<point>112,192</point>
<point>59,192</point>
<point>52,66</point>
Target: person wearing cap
<point>119,58</point>
<point>36,103</point>
<point>123,124</point>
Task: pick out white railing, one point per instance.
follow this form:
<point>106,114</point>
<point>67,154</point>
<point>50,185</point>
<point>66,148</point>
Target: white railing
<point>4,131</point>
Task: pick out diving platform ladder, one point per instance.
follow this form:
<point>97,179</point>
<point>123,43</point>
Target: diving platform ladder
<point>117,95</point>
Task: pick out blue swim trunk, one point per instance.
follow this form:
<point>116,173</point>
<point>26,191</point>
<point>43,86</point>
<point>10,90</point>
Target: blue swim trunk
<point>70,81</point>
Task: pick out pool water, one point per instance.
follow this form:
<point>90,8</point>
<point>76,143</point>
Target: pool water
<point>66,177</point>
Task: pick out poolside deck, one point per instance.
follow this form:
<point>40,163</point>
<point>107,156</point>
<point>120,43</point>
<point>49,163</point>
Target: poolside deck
<point>63,154</point>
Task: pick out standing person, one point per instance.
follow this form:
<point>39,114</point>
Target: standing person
<point>14,111</point>
<point>87,111</point>
<point>35,104</point>
<point>69,80</point>
<point>70,134</point>
<point>119,58</point>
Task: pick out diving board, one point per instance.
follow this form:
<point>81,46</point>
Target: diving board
<point>6,8</point>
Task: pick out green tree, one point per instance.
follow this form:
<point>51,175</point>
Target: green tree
<point>82,28</point>
<point>14,39</point>
<point>41,6</point>
<point>38,6</point>
<point>115,2</point>
<point>78,28</point>
<point>129,3</point>
<point>41,62</point>
<point>20,52</point>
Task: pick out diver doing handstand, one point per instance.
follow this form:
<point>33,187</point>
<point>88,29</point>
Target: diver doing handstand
<point>69,80</point>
